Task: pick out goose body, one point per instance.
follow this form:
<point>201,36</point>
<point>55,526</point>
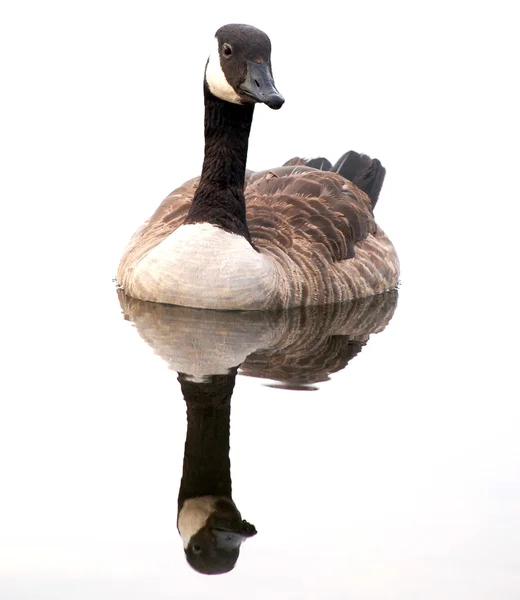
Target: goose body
<point>232,239</point>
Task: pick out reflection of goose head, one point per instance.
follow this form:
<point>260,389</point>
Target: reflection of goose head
<point>209,522</point>
<point>298,347</point>
<point>212,532</point>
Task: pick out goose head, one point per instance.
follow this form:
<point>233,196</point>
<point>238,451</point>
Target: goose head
<point>239,67</point>
<point>212,530</point>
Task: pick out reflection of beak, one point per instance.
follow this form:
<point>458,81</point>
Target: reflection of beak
<point>228,539</point>
<point>259,85</point>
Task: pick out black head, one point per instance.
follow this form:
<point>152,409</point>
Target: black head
<point>213,531</point>
<point>213,551</point>
<point>239,67</point>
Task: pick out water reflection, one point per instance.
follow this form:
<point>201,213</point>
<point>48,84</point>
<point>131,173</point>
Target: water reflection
<point>294,349</point>
<point>210,524</point>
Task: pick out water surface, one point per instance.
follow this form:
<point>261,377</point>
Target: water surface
<point>376,451</point>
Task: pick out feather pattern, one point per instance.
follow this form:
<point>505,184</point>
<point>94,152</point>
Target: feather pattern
<point>295,346</point>
<point>299,235</point>
<point>316,228</point>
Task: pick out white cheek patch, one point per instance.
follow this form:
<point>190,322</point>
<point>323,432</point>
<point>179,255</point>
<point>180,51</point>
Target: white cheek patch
<point>216,80</point>
<point>194,514</point>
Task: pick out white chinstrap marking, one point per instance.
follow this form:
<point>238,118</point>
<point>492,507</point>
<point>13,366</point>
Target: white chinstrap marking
<point>216,80</point>
<point>193,515</point>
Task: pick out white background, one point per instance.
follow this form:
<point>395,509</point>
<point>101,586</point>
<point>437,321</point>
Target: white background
<point>101,117</point>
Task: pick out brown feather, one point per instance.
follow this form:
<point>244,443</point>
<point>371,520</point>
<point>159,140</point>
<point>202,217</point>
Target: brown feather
<point>312,223</point>
<point>297,347</point>
<point>301,234</point>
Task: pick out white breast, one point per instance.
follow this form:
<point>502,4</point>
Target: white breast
<point>203,266</point>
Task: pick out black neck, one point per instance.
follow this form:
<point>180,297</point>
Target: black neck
<point>206,468</point>
<point>219,198</point>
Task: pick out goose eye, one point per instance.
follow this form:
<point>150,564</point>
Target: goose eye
<point>227,50</point>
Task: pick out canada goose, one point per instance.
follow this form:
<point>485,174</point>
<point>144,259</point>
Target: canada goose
<point>230,239</point>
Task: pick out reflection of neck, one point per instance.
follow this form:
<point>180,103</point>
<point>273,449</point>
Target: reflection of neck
<point>206,468</point>
<point>219,198</point>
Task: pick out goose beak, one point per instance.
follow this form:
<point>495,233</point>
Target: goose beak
<point>232,538</point>
<point>259,85</point>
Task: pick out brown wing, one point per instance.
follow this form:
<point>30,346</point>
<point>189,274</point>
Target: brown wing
<point>301,210</point>
<point>308,220</point>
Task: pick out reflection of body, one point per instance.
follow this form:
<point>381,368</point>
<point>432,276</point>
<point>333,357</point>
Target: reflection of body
<point>297,348</point>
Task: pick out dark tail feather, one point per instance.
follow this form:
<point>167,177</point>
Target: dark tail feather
<point>316,163</point>
<point>365,172</point>
<point>319,163</point>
